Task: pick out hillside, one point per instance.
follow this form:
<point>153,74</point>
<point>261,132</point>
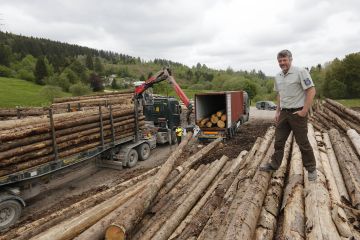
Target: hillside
<point>17,92</point>
<point>48,62</point>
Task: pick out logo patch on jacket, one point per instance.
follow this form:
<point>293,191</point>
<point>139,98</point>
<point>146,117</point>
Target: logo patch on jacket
<point>307,82</point>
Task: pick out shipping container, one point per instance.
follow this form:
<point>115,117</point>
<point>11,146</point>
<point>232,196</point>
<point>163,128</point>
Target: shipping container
<point>234,104</point>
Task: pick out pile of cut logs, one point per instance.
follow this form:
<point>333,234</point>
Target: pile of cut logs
<point>225,199</point>
<point>25,143</point>
<point>217,119</point>
<point>70,104</point>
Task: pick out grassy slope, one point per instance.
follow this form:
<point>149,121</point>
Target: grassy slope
<point>17,92</point>
<point>350,102</point>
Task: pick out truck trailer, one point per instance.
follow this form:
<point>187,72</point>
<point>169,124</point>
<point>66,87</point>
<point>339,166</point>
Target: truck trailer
<point>116,151</point>
<point>234,107</point>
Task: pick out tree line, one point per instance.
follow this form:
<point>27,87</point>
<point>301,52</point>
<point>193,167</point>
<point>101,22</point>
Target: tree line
<point>80,70</point>
<point>338,79</point>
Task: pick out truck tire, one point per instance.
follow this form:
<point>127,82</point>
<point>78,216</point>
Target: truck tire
<point>144,151</point>
<point>132,158</point>
<point>10,212</point>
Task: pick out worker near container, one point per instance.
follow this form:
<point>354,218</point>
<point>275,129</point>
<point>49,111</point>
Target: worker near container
<point>179,133</point>
<point>296,92</point>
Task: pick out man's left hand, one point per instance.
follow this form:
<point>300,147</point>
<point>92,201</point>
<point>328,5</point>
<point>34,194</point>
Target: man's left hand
<point>301,113</point>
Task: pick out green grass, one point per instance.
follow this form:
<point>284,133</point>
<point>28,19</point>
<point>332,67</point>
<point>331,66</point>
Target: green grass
<point>349,102</point>
<point>17,92</point>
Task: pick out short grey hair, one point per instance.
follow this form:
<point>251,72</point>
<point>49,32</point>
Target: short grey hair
<point>284,53</point>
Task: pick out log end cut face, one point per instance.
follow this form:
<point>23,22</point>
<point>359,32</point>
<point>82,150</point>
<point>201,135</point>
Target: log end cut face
<point>115,232</point>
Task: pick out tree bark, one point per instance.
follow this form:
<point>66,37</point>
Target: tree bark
<point>293,201</point>
<point>344,109</point>
<point>127,220</point>
<point>319,224</point>
<point>337,213</point>
<point>72,227</point>
<point>170,225</point>
<point>339,180</point>
<point>208,203</point>
<point>347,168</point>
<point>250,206</point>
<point>266,226</point>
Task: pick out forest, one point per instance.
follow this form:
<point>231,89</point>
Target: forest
<point>78,70</point>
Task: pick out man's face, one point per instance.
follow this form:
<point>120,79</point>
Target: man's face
<point>284,63</point>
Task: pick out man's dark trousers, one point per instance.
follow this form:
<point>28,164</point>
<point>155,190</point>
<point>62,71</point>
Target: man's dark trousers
<point>289,121</point>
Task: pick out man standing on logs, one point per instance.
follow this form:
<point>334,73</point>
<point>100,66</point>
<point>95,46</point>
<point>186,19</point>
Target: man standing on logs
<point>296,92</point>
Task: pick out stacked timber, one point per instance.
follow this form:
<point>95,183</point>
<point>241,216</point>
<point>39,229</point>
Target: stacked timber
<point>223,199</point>
<point>27,143</point>
<point>218,119</point>
<point>70,104</point>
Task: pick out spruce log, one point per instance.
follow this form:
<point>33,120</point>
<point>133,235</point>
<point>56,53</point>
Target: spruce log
<point>170,225</point>
<point>347,168</point>
<point>209,124</point>
<point>128,93</point>
<point>220,113</point>
<point>319,224</point>
<point>266,226</point>
<point>29,230</point>
<point>210,198</point>
<point>218,224</point>
<point>243,184</point>
<point>8,135</point>
<point>165,213</point>
<point>344,109</point>
<point>337,213</point>
<point>48,158</point>
<point>250,206</point>
<point>97,231</point>
<point>214,119</point>
<point>293,201</point>
<point>127,220</point>
<point>352,154</point>
<point>60,133</point>
<point>336,119</point>
<point>223,118</point>
<point>339,180</point>
<point>355,139</point>
<point>180,171</point>
<point>343,115</point>
<point>42,150</point>
<point>220,124</point>
<point>72,227</point>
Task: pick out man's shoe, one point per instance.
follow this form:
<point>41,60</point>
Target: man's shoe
<point>312,176</point>
<point>267,168</point>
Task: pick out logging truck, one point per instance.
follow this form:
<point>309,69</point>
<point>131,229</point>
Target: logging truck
<point>108,137</point>
<point>219,114</point>
<point>163,112</point>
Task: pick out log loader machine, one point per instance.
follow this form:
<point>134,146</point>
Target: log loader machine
<point>163,112</point>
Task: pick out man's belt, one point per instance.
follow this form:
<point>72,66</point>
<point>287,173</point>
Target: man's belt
<point>291,109</point>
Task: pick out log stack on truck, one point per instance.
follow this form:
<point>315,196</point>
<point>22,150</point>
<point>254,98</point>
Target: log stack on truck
<point>39,146</point>
<point>219,114</point>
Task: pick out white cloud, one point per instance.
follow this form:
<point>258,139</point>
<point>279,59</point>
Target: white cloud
<point>242,34</point>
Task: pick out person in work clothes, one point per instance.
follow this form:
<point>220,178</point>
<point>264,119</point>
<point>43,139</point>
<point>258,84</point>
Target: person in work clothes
<point>179,133</point>
<point>296,92</point>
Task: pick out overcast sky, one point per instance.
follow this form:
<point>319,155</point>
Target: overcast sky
<point>244,35</point>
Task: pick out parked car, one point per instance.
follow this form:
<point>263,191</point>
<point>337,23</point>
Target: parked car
<point>266,105</point>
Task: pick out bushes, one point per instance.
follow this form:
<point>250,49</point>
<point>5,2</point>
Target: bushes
<point>50,92</point>
<point>79,89</point>
<point>5,71</point>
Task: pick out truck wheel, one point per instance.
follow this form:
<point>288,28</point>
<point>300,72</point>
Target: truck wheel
<point>132,158</point>
<point>10,212</point>
<point>144,151</point>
